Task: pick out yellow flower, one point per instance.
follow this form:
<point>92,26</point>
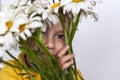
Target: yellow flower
<point>22,27</point>
<point>9,24</point>
<point>77,0</point>
<point>55,5</point>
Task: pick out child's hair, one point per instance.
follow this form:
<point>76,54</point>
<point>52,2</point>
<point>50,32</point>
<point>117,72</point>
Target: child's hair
<point>32,0</point>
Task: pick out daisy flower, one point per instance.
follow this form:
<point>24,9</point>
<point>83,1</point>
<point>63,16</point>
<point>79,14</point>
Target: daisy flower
<point>31,22</point>
<point>54,5</point>
<point>6,21</point>
<point>19,3</point>
<point>10,21</point>
<point>9,24</point>
<point>43,8</point>
<point>75,6</point>
<point>51,18</point>
<point>38,7</point>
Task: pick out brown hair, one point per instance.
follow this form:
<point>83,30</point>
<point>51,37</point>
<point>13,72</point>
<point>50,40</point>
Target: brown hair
<point>32,1</point>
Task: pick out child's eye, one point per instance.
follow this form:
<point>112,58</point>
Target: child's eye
<point>43,33</point>
<point>61,36</point>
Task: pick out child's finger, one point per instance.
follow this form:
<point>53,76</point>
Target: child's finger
<point>63,52</point>
<point>66,65</point>
<point>65,59</point>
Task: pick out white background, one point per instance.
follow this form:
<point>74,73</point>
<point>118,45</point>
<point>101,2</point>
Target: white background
<point>97,45</point>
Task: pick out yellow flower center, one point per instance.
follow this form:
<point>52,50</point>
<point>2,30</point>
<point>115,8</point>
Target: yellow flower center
<point>22,27</point>
<point>9,25</point>
<point>55,5</point>
<point>77,0</point>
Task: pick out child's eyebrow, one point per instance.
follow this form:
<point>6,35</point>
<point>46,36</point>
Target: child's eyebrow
<point>60,31</point>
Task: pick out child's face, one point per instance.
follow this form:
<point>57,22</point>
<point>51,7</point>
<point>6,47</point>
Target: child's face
<point>54,39</point>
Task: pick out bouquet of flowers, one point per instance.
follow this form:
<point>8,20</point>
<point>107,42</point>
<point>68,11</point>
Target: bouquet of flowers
<point>26,19</point>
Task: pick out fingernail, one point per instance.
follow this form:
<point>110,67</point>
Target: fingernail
<point>67,46</point>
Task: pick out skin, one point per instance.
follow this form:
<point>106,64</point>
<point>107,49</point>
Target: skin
<point>55,43</point>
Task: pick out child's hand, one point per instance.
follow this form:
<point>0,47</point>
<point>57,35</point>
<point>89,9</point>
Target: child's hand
<point>65,60</point>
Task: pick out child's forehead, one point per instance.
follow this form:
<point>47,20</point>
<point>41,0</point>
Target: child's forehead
<point>55,28</point>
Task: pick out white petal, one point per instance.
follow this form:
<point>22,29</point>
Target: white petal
<point>37,18</point>
<point>2,52</point>
<point>50,1</point>
<point>64,2</point>
<point>28,33</point>
<point>15,28</point>
<point>56,1</point>
<point>56,10</point>
<point>39,11</point>
<point>54,19</point>
<point>35,24</point>
<point>33,30</point>
<point>32,15</point>
<point>3,29</point>
<point>44,28</point>
<point>10,41</point>
<point>2,40</point>
<point>21,20</point>
<point>17,38</point>
<point>2,14</point>
<point>44,16</point>
<point>22,35</point>
<point>22,2</point>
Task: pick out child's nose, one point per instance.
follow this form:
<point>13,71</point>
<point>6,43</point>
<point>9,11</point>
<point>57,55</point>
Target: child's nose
<point>49,43</point>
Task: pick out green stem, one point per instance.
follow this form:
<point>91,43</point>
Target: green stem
<point>73,27</point>
<point>69,38</point>
<point>28,51</point>
<point>49,56</point>
<point>66,41</point>
<point>64,29</point>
